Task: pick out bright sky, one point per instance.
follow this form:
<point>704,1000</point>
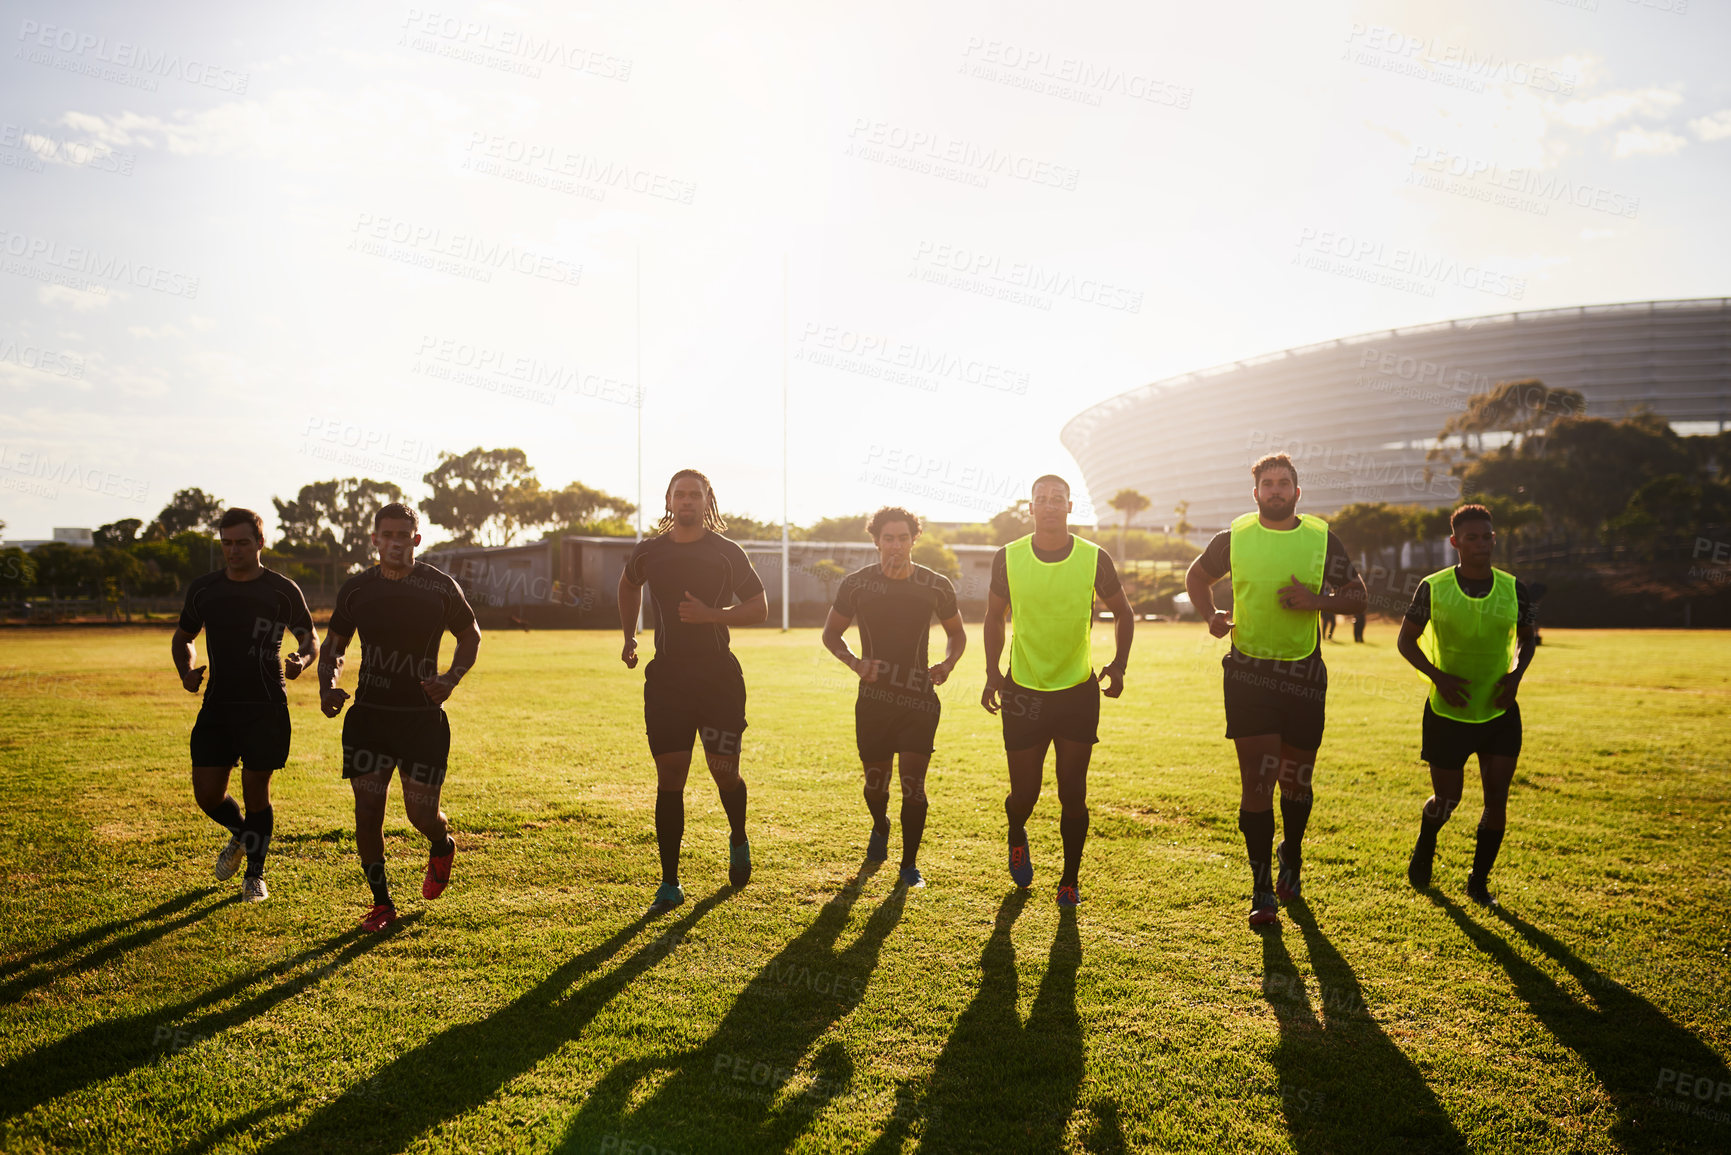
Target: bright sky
<point>245,248</point>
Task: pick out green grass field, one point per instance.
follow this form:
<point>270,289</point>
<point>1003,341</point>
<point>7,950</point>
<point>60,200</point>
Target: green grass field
<point>534,1007</point>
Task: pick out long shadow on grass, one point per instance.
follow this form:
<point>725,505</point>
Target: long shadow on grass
<point>1647,1064</point>
<point>85,937</point>
<point>20,983</point>
<point>463,1067</point>
<point>1001,1084</point>
<point>111,1048</point>
<point>738,1090</point>
<point>1343,1083</point>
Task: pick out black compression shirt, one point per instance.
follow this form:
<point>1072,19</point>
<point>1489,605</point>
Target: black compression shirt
<point>246,621</point>
<point>895,619</point>
<point>401,622</point>
<point>1106,581</point>
<point>712,569</point>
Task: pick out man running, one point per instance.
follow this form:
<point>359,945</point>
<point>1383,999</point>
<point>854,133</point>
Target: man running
<point>897,710</point>
<point>402,609</point>
<point>1463,629</point>
<point>693,687</point>
<point>245,715</point>
<point>1276,685</point>
<point>1051,696</point>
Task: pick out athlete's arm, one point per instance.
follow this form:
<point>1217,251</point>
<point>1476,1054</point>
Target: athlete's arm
<point>1452,687</point>
<point>833,640</point>
<point>1527,642</point>
<point>955,641</point>
<point>1123,633</point>
<point>1199,584</point>
<point>630,604</point>
<point>996,607</point>
<point>331,699</point>
<point>746,613</point>
<point>301,625</point>
<point>180,648</point>
<point>468,648</point>
<point>1348,598</point>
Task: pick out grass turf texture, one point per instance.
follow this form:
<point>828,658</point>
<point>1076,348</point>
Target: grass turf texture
<point>533,1007</point>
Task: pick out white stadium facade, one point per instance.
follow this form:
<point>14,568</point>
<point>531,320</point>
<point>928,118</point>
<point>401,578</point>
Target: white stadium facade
<point>1358,414</point>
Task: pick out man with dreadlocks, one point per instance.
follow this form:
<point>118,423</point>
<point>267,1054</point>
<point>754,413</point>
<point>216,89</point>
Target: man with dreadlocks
<point>693,688</point>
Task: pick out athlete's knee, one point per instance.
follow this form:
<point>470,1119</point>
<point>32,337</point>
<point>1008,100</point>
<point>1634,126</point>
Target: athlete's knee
<point>1441,807</point>
<point>726,775</point>
<point>877,779</point>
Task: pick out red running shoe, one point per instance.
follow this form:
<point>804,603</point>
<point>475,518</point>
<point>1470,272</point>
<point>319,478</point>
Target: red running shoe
<point>379,917</point>
<point>1264,910</point>
<point>438,875</point>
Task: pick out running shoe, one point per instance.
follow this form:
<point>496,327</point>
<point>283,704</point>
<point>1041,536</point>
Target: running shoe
<point>379,917</point>
<point>1286,884</point>
<point>228,859</point>
<point>438,875</point>
<point>667,896</point>
<point>878,845</point>
<point>1069,896</point>
<point>912,878</point>
<point>1264,909</point>
<point>253,889</point>
<point>1021,866</point>
<point>739,863</point>
<point>1477,891</point>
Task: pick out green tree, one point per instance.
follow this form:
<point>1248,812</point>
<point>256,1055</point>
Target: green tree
<point>852,528</point>
<point>1129,503</point>
<point>17,569</point>
<point>1369,527</point>
<point>484,496</point>
<point>743,528</point>
<point>1519,408</point>
<point>935,555</point>
<point>1012,523</point>
<point>333,518</point>
<point>1182,526</point>
<point>118,533</point>
<point>67,569</point>
<point>189,509</point>
<point>975,534</point>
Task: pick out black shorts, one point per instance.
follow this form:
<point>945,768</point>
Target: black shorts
<point>887,722</point>
<point>1449,743</point>
<point>1286,698</point>
<point>1033,718</point>
<point>685,699</point>
<point>414,741</point>
<point>254,734</point>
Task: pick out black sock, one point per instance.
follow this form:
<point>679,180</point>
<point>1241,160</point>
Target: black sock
<point>226,814</point>
<point>1429,825</point>
<point>878,802</point>
<point>669,830</point>
<point>1018,821</point>
<point>255,833</point>
<point>913,828</point>
<point>733,801</point>
<point>1490,840</point>
<point>1294,817</point>
<point>1073,825</point>
<point>381,886</point>
<point>449,846</point>
<point>1258,828</point>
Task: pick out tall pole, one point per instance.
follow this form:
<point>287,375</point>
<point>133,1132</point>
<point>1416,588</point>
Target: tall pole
<point>784,550</point>
<point>638,279</point>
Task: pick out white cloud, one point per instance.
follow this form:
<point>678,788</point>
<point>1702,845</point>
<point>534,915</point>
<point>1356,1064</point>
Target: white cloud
<point>80,301</point>
<point>1597,234</point>
<point>1600,111</point>
<point>1713,126</point>
<point>1648,142</point>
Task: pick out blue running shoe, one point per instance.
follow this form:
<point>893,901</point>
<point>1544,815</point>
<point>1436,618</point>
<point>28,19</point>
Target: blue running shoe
<point>1069,896</point>
<point>1021,866</point>
<point>667,896</point>
<point>739,863</point>
<point>878,846</point>
<point>912,878</point>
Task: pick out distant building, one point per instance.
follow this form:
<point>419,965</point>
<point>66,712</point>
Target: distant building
<point>70,535</point>
<point>1357,415</point>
